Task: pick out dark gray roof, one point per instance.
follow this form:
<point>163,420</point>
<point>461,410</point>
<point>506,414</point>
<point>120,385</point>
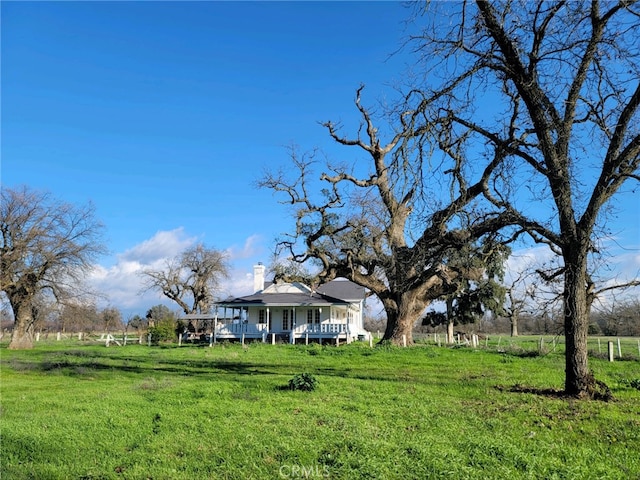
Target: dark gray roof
<point>343,289</point>
<point>336,292</point>
<point>282,299</point>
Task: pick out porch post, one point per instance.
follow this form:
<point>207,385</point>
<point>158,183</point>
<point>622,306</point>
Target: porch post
<point>215,327</point>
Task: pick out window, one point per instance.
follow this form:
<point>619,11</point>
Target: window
<point>261,317</point>
<point>313,315</point>
<point>285,319</point>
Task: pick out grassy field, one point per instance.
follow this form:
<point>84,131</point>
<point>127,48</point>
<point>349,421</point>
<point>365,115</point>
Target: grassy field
<point>83,411</point>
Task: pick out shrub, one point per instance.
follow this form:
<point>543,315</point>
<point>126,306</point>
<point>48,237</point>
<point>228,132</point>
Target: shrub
<point>305,382</point>
<point>163,331</point>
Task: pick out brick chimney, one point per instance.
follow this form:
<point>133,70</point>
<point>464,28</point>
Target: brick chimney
<point>258,277</point>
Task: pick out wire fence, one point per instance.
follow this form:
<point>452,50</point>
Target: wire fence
<point>616,348</point>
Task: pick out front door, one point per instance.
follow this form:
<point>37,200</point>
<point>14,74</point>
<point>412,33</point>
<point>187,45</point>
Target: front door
<point>286,320</point>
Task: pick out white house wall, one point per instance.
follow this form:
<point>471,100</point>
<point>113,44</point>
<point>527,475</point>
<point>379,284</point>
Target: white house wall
<point>330,314</point>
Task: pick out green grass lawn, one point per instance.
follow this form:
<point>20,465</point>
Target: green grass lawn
<point>80,411</point>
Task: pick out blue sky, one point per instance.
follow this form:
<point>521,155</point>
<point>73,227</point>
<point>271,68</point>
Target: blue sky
<point>164,114</point>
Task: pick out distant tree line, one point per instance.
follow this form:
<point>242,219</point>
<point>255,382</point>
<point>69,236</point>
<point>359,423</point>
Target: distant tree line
<point>88,319</point>
<point>620,318</point>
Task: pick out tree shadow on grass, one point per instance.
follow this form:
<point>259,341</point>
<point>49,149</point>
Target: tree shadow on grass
<point>87,363</point>
<point>600,392</point>
<point>74,364</point>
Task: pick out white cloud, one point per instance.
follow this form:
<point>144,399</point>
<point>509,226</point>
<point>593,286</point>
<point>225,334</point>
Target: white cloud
<point>252,247</point>
<point>242,259</point>
<point>616,270</point>
<point>528,259</point>
<point>163,245</point>
<point>122,284</point>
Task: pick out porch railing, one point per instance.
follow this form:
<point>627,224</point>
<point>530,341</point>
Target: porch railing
<point>328,328</point>
<point>240,328</point>
<point>237,329</point>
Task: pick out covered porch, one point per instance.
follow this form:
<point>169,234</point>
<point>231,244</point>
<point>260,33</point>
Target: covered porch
<point>211,328</point>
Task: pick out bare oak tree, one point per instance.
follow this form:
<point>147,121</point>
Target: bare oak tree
<point>391,227</point>
<point>191,279</point>
<point>46,248</point>
<point>562,80</point>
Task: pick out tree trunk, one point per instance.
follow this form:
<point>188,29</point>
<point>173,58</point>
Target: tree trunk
<point>578,380</point>
<point>397,327</point>
<point>22,335</point>
<point>401,316</point>
<point>450,321</point>
<point>514,325</point>
<point>450,338</point>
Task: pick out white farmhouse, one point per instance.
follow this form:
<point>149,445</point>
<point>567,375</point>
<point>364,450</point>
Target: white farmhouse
<point>291,312</point>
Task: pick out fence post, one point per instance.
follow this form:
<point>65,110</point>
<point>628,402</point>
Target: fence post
<point>58,336</point>
<point>610,349</point>
<point>404,340</point>
<point>149,339</point>
<point>371,342</point>
<point>273,339</point>
<point>619,349</point>
<point>37,336</point>
<point>243,339</point>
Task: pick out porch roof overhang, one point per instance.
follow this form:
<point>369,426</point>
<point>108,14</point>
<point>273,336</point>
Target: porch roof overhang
<point>281,300</point>
<point>198,316</point>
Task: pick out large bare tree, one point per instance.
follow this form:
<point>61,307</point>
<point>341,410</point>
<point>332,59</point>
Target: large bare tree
<point>46,248</point>
<point>552,87</point>
<point>191,279</point>
<point>388,222</point>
